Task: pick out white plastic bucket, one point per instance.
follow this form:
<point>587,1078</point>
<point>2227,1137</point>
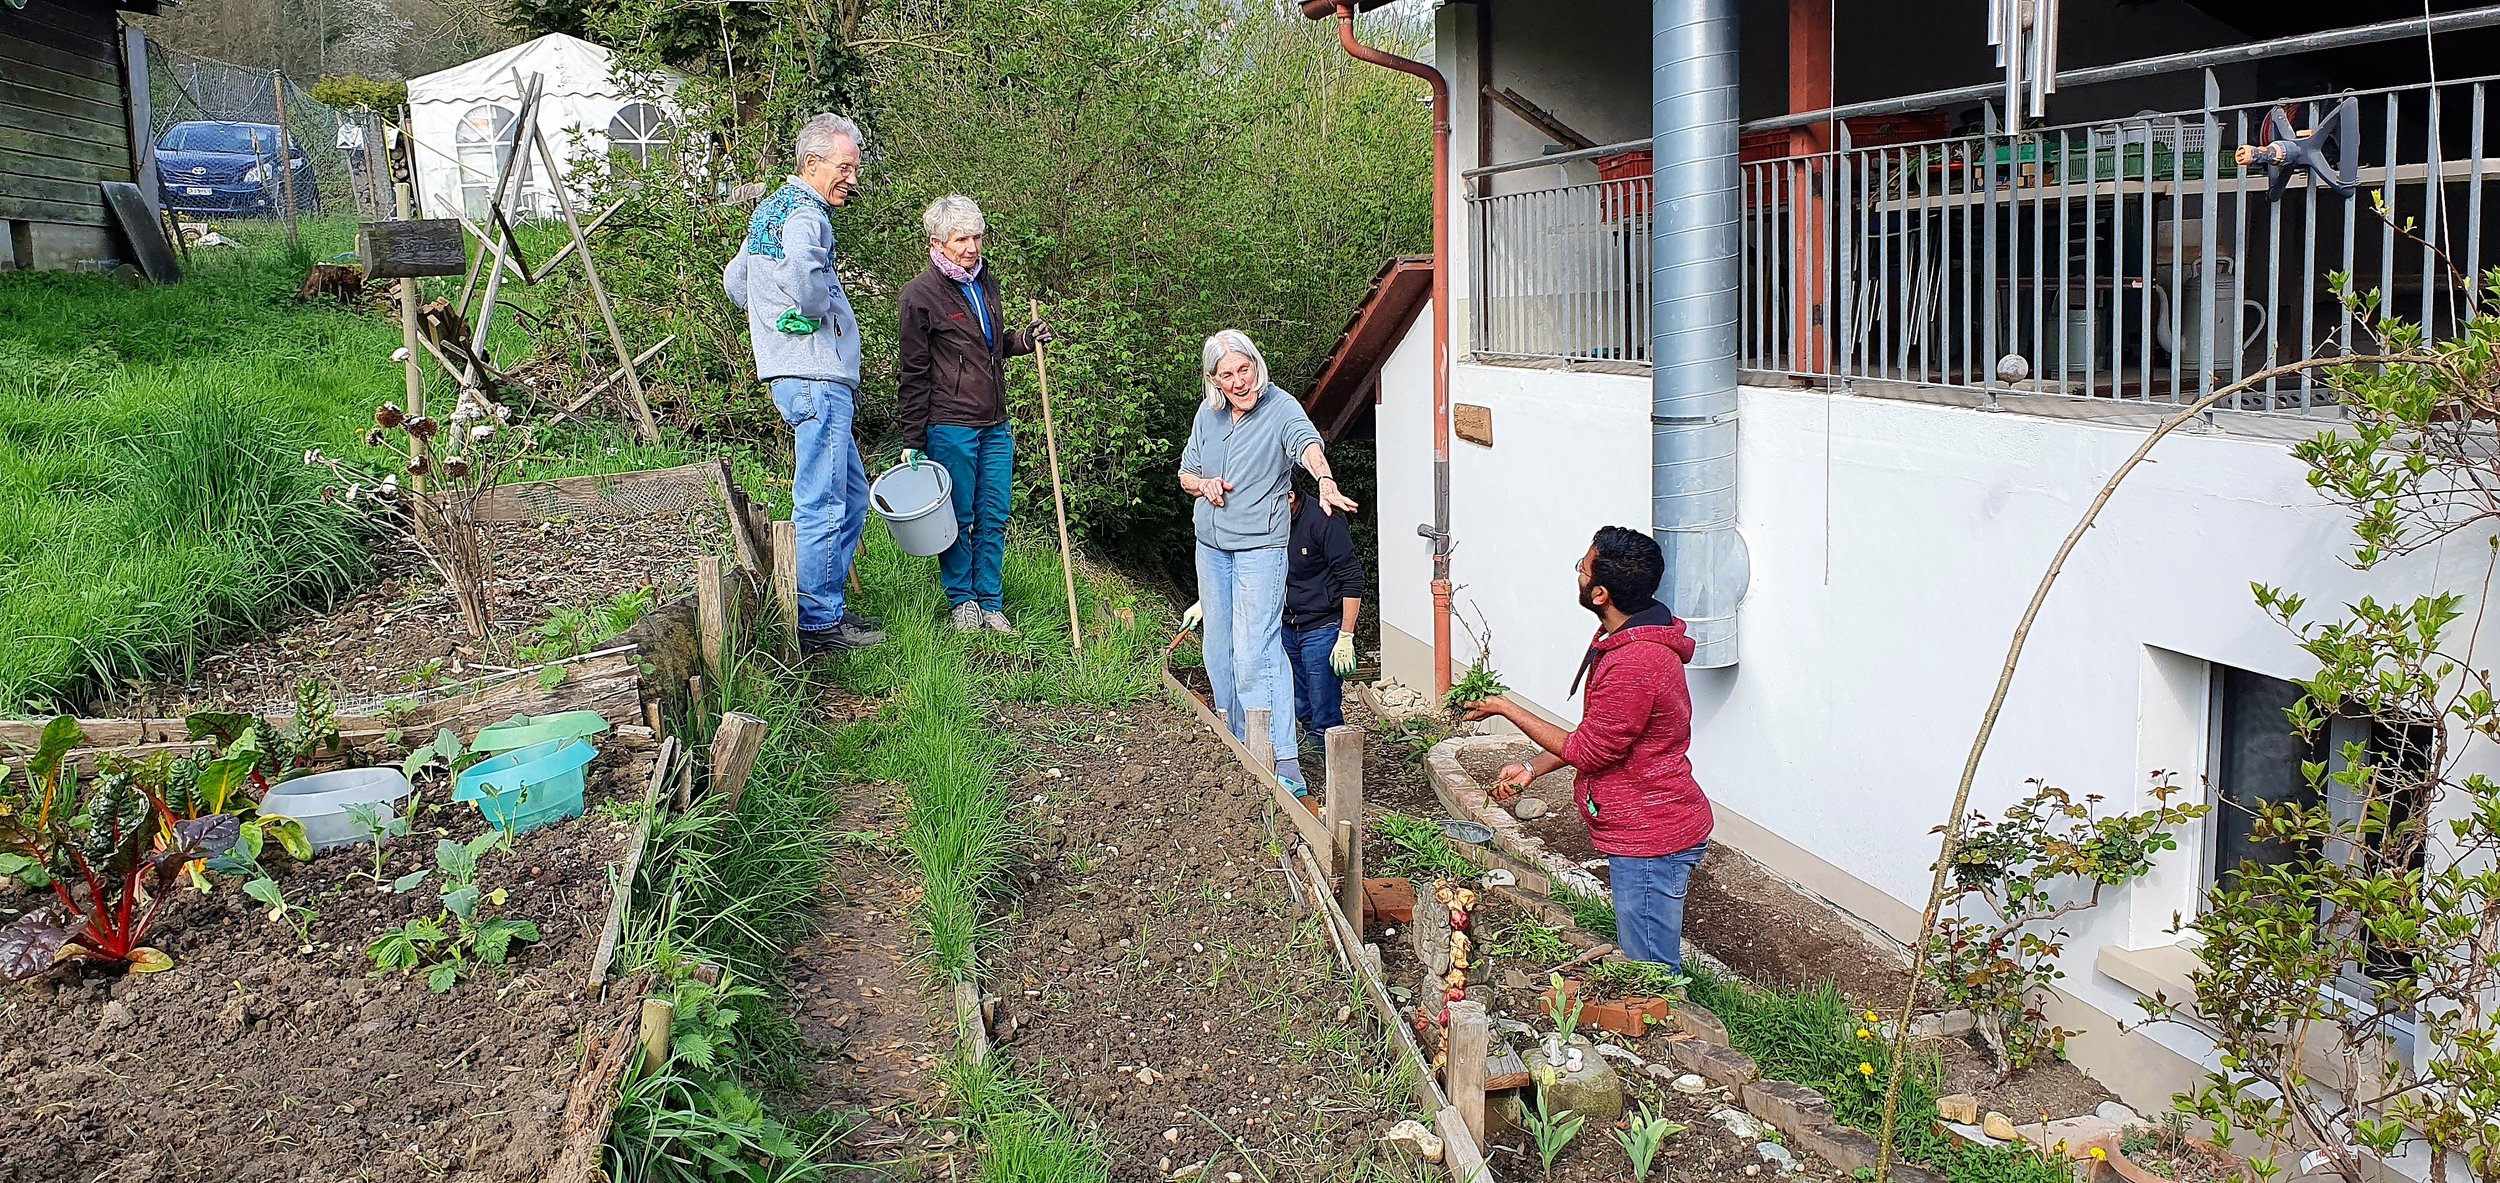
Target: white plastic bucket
<point>917,502</point>
<point>321,801</point>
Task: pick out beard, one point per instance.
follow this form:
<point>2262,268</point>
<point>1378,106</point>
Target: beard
<point>1588,600</point>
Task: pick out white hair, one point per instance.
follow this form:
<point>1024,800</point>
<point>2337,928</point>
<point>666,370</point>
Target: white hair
<point>816,137</point>
<point>1224,342</point>
<point>951,215</point>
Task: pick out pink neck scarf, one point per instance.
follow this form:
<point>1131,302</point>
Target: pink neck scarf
<point>947,267</point>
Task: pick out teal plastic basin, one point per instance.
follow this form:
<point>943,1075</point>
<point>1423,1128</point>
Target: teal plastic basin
<point>521,731</point>
<point>529,787</point>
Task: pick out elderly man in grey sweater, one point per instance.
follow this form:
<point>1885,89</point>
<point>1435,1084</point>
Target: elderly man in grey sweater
<point>807,350</point>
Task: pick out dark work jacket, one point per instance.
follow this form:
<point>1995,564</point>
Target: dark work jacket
<point>951,373</point>
<point>1321,569</point>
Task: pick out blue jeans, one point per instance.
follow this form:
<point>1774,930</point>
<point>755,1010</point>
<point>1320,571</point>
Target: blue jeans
<point>828,493</point>
<point>1318,694</point>
<point>1242,593</point>
<point>1649,904</point>
<point>982,463</point>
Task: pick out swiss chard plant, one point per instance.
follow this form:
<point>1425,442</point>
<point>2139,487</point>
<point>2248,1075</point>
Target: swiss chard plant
<point>464,934</point>
<point>107,845</point>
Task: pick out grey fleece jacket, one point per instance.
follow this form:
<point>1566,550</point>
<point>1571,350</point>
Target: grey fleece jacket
<point>787,262</point>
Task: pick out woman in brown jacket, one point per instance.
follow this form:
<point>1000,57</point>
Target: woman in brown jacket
<point>955,345</point>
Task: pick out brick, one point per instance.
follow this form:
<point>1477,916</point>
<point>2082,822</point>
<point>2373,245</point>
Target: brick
<point>1845,1147</point>
<point>1723,1066</point>
<point>1388,901</point>
<point>1699,1023</point>
<point>1791,1109</point>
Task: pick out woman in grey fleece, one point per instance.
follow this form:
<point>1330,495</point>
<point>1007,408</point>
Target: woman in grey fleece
<point>1239,465</point>
<point>807,350</point>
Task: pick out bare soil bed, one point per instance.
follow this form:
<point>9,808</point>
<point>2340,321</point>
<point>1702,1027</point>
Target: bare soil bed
<point>1159,979</point>
<point>254,1058</point>
<point>403,635</point>
<point>1773,934</point>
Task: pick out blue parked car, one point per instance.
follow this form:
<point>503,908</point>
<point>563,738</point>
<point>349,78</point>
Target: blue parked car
<point>231,168</point>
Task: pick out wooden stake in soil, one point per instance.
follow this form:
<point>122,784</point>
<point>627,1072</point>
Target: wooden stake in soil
<point>1471,1041</point>
<point>968,1019</point>
<point>1058,503</point>
<point>1262,745</point>
<point>657,1014</point>
<point>786,578</point>
<point>286,160</point>
<point>409,340</point>
<point>711,612</point>
<point>734,746</point>
<point>1345,808</point>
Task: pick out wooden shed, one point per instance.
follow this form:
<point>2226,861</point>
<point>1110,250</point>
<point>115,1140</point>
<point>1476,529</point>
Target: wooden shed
<point>73,115</point>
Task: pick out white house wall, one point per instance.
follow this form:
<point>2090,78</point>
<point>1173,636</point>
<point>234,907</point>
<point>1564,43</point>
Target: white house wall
<point>1894,544</point>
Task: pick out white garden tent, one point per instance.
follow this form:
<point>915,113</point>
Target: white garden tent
<point>465,120</point>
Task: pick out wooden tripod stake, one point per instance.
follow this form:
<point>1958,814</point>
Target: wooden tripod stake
<point>1058,502</point>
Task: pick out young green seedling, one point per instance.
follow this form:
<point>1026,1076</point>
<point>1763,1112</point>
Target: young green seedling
<point>283,911</point>
<point>379,826</point>
<point>1552,1131</point>
<point>1641,1136</point>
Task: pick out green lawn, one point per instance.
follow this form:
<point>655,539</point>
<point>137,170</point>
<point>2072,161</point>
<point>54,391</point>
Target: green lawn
<point>153,496</point>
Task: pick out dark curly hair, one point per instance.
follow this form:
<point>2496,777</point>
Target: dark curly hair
<point>1629,566</point>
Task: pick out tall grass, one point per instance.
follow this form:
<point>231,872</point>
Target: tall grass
<point>153,497</point>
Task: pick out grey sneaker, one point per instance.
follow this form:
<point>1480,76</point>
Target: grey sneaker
<point>997,622</point>
<point>968,617</point>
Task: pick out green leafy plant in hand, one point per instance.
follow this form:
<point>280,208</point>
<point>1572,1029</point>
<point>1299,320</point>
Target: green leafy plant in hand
<point>1479,682</point>
<point>95,841</point>
<point>1642,1134</point>
<point>1552,1131</point>
<point>462,936</point>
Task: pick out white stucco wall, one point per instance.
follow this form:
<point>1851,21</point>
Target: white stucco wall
<point>1894,544</point>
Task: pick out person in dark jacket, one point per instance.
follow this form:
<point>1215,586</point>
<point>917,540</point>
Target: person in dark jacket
<point>1634,785</point>
<point>1323,596</point>
<point>955,346</point>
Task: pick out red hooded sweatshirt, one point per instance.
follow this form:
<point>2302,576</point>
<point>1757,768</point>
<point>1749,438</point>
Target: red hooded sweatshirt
<point>1635,785</point>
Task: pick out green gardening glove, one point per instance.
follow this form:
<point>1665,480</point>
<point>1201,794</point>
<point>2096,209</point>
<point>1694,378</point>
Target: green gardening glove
<point>797,324</point>
<point>915,457</point>
<point>1341,658</point>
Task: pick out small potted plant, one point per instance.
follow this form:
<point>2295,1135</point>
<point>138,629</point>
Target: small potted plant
<point>2166,1153</point>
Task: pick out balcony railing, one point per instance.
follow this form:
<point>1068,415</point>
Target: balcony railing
<point>2130,260</point>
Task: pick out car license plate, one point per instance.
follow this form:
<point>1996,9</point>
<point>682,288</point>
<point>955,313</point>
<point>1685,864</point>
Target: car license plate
<point>197,191</point>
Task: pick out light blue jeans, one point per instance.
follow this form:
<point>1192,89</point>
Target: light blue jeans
<point>982,463</point>
<point>1242,593</point>
<point>828,493</point>
<point>1649,904</point>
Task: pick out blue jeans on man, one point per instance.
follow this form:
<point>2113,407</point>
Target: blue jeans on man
<point>1649,904</point>
<point>1242,593</point>
<point>1318,693</point>
<point>828,493</point>
<point>981,461</point>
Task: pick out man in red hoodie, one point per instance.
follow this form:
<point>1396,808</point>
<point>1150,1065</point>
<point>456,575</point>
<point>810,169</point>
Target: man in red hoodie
<point>1635,786</point>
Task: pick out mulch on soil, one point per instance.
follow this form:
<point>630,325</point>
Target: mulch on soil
<point>378,644</point>
<point>1774,934</point>
<point>1160,980</point>
<point>252,1059</point>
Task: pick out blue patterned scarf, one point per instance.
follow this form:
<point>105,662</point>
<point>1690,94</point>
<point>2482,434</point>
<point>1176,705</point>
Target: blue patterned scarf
<point>764,229</point>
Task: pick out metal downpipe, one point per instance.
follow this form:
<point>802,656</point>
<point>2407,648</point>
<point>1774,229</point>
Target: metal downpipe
<point>1694,270</point>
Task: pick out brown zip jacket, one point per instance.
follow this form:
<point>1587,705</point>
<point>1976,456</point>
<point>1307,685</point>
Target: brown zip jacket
<point>951,373</point>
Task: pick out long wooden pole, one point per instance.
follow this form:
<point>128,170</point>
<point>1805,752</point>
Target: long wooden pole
<point>644,426</point>
<point>1058,502</point>
<point>412,343</point>
<point>286,158</point>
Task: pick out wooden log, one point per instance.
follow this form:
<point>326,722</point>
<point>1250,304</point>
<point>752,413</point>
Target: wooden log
<point>1471,1041</point>
<point>1460,1155</point>
<point>711,613</point>
<point>752,554</point>
<point>786,578</point>
<point>657,1014</point>
<point>592,1100</point>
<point>669,644</point>
<point>405,250</point>
<point>734,747</point>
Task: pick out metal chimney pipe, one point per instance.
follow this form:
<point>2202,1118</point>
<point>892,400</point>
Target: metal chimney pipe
<point>1694,269</point>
